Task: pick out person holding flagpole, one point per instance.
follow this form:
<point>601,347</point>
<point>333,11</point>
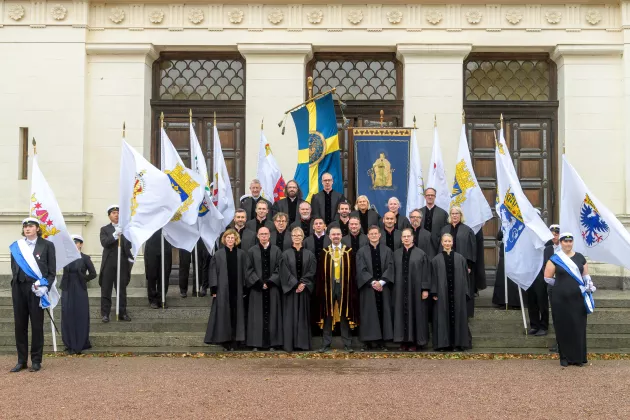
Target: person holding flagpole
<point>33,268</point>
<point>572,300</point>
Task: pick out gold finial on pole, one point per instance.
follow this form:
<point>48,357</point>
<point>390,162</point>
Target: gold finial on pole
<point>434,120</point>
<point>463,117</point>
<point>262,123</point>
<point>161,119</point>
<point>124,129</point>
<point>190,115</point>
<point>414,122</point>
<point>34,146</point>
<point>309,86</point>
<point>215,118</point>
<point>382,117</point>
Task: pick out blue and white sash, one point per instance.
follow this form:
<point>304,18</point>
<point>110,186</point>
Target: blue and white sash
<point>24,258</point>
<point>569,266</point>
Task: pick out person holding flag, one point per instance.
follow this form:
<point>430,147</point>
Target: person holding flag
<point>33,268</point>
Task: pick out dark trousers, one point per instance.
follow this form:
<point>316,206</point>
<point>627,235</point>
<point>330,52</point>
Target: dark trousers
<point>538,305</point>
<point>153,271</point>
<point>185,259</point>
<point>108,283</point>
<point>25,306</point>
<point>345,325</point>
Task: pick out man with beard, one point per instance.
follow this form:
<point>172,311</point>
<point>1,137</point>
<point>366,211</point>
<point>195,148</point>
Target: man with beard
<point>390,236</point>
<point>434,218</point>
<point>400,220</point>
<point>262,211</point>
<point>421,236</point>
<point>249,203</point>
<point>290,203</point>
<point>325,202</point>
<point>342,218</point>
<point>336,290</point>
<point>375,275</point>
<point>280,235</point>
<point>355,239</point>
<point>306,220</point>
<point>264,320</point>
<point>248,237</point>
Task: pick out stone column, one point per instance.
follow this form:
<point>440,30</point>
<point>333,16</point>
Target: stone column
<point>433,81</point>
<point>275,82</point>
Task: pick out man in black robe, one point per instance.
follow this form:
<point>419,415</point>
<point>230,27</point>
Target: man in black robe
<point>297,276</point>
<point>280,235</point>
<point>336,290</point>
<point>25,301</point>
<point>326,202</point>
<point>355,239</point>
<point>400,220</point>
<point>109,266</point>
<point>153,268</point>
<point>305,220</point>
<point>421,236</point>
<point>390,236</point>
<point>375,276</point>
<point>318,240</point>
<point>411,290</point>
<point>434,218</point>
<point>342,218</point>
<point>264,316</point>
<point>249,203</point>
<point>248,237</point>
<point>290,203</point>
<point>261,219</point>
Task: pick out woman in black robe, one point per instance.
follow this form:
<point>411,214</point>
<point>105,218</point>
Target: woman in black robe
<point>75,305</point>
<point>465,244</point>
<point>450,290</point>
<point>498,295</point>
<point>567,304</point>
<point>297,274</point>
<point>226,324</point>
<point>366,215</point>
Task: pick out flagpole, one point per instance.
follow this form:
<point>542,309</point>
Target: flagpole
<point>505,276</point>
<point>162,234</point>
<point>520,296</point>
<point>196,270</point>
<point>118,264</point>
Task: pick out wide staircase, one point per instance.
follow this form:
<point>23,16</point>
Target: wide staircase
<point>181,327</point>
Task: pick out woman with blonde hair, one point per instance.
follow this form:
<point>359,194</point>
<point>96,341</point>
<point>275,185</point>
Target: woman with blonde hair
<point>366,215</point>
<point>226,324</point>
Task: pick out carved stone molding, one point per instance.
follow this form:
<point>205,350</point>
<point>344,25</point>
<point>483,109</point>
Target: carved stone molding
<point>355,16</point>
<point>514,16</point>
<point>58,12</point>
<point>276,16</point>
<point>117,15</point>
<point>236,16</point>
<point>16,12</point>
<point>195,16</point>
<point>156,16</point>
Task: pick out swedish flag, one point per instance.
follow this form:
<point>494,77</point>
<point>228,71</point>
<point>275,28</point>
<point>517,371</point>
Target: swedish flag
<point>318,144</point>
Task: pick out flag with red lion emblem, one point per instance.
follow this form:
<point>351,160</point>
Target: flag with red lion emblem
<point>45,208</point>
<point>269,173</point>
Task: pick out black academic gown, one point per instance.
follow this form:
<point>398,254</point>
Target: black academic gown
<point>227,313</point>
<point>296,270</point>
<point>422,240</point>
<point>286,240</point>
<point>402,222</point>
<point>361,240</point>
<point>376,319</point>
<point>282,206</point>
<point>298,223</point>
<point>264,316</point>
<point>249,205</point>
<point>411,323</point>
<point>75,305</point>
<point>369,218</point>
<point>254,226</point>
<point>248,239</point>
<point>449,282</point>
<point>439,219</point>
<point>318,204</point>
<point>465,244</point>
<point>397,239</point>
<point>337,223</point>
<point>309,243</point>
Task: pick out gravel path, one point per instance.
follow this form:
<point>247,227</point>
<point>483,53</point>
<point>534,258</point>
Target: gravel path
<point>160,387</point>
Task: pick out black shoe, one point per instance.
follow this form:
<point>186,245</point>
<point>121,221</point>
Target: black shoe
<point>532,331</point>
<point>203,292</point>
<point>183,293</point>
<point>18,367</point>
<point>272,349</point>
<point>324,349</point>
<point>348,349</point>
<point>154,305</point>
<point>105,318</point>
<point>554,348</point>
<point>541,333</point>
<point>35,367</point>
<point>365,347</point>
<point>564,363</point>
<point>124,317</point>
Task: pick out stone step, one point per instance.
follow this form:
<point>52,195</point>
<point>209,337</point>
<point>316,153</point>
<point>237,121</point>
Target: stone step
<point>134,313</point>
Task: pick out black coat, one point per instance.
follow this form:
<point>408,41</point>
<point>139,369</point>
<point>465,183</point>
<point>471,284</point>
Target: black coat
<point>373,219</point>
<point>440,219</point>
<point>298,223</point>
<point>318,203</point>
<point>251,224</point>
<point>45,257</point>
<point>75,304</point>
<point>81,271</point>
<point>282,206</point>
<point>402,222</point>
<point>286,242</point>
<point>397,239</point>
<point>249,205</point>
<point>109,263</point>
<point>347,241</point>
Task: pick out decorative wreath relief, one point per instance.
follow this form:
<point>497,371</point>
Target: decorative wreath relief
<point>474,17</point>
<point>117,15</point>
<point>593,17</point>
<point>514,16</point>
<point>553,16</point>
<point>58,12</point>
<point>315,16</point>
<point>434,16</point>
<point>236,15</point>
<point>195,16</point>
<point>276,16</point>
<point>156,16</point>
<point>16,12</point>
<point>355,16</point>
<point>394,17</point>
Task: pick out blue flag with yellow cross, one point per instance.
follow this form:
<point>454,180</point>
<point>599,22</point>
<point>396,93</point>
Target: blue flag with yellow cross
<point>318,145</point>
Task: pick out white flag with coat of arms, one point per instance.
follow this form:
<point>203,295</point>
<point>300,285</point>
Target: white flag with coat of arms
<point>222,195</point>
<point>466,192</point>
<point>437,174</point>
<point>597,233</point>
<point>524,232</point>
<point>415,186</point>
<point>268,173</point>
<point>147,199</point>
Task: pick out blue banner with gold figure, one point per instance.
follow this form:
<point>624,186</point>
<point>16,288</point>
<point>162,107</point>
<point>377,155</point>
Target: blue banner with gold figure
<point>382,165</point>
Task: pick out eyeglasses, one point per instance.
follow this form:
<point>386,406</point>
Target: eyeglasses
<point>429,195</point>
<point>414,217</point>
